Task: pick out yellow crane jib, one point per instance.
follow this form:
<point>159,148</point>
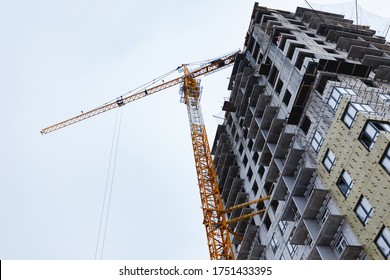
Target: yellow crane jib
<point>213,66</point>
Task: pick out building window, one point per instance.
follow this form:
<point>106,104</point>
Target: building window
<point>336,95</point>
<point>344,183</point>
<point>340,244</point>
<point>334,99</point>
<point>282,226</point>
<point>363,210</point>
<point>249,174</point>
<point>286,97</point>
<point>324,215</point>
<point>317,141</point>
<point>250,144</point>
<point>269,187</point>
<point>272,75</point>
<point>385,97</point>
<point>308,241</point>
<point>330,50</point>
<point>274,205</point>
<point>256,51</point>
<point>274,244</point>
<point>241,149</point>
<point>325,77</point>
<point>260,58</point>
<point>267,222</point>
<point>255,157</point>
<point>385,161</point>
<point>352,110</point>
<point>261,171</point>
<point>259,206</point>
<point>291,247</point>
<point>292,48</point>
<point>255,188</point>
<point>245,132</point>
<point>245,160</point>
<point>329,160</point>
<point>301,58</point>
<point>305,126</point>
<point>279,86</point>
<point>369,83</point>
<point>383,242</point>
<point>371,132</point>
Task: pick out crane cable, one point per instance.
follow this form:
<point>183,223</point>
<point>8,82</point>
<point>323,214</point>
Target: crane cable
<point>141,87</point>
<point>158,79</point>
<point>109,184</point>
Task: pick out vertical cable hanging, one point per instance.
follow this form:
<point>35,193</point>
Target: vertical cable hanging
<point>104,215</point>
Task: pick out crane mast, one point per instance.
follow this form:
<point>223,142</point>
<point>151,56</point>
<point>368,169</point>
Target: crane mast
<point>217,232</point>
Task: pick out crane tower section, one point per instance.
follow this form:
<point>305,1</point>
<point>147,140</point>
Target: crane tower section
<point>217,233</point>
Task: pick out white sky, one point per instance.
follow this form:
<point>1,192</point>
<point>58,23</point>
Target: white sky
<point>61,57</point>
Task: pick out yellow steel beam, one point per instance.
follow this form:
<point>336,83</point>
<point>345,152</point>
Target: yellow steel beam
<point>247,216</point>
<point>242,205</point>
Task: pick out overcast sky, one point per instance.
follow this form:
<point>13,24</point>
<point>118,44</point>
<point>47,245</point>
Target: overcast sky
<point>61,57</point>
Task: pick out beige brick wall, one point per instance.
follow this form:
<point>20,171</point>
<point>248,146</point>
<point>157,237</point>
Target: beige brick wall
<point>369,177</point>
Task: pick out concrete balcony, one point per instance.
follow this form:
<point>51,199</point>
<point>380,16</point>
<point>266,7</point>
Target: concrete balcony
<point>294,185</point>
<point>273,172</point>
<point>240,227</point>
<point>268,117</point>
<point>290,211</point>
<point>302,181</point>
<point>350,252</point>
<point>234,190</point>
<point>231,177</point>
<point>247,242</point>
<point>281,188</point>
<point>261,105</point>
<point>259,142</point>
<point>275,130</point>
<point>265,157</point>
<point>223,166</point>
<point>282,145</point>
<point>308,208</point>
<point>256,92</point>
<point>320,234</point>
<point>292,162</point>
<point>256,251</point>
<point>248,118</point>
<point>253,128</point>
<point>329,229</point>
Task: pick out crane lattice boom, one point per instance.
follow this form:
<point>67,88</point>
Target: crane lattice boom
<point>213,66</point>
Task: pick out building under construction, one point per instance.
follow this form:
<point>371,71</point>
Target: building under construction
<point>308,124</point>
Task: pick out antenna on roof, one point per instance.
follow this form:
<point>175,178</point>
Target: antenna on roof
<point>357,18</point>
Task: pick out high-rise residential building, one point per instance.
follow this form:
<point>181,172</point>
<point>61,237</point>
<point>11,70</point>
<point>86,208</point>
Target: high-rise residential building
<point>308,124</point>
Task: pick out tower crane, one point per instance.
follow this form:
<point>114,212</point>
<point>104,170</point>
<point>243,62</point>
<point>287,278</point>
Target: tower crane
<point>214,213</point>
